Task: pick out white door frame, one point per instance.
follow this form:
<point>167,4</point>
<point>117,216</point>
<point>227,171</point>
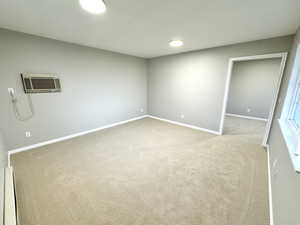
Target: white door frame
<point>283,56</point>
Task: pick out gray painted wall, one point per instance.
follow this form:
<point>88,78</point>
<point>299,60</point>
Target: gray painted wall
<point>285,181</point>
<point>98,87</point>
<point>115,88</point>
<point>193,84</point>
<point>253,86</point>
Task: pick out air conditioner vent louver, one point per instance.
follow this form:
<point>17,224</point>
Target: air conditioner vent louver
<point>40,83</point>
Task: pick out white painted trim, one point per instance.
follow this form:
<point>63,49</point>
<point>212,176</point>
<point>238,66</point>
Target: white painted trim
<point>283,56</point>
<point>270,188</point>
<point>26,148</point>
<point>225,100</point>
<point>275,99</point>
<point>185,125</point>
<point>246,117</point>
<point>8,159</point>
<point>2,194</point>
<point>10,216</point>
<point>257,57</point>
<point>291,143</point>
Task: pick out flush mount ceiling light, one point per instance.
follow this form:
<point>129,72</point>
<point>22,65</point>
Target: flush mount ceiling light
<point>176,43</point>
<point>93,6</point>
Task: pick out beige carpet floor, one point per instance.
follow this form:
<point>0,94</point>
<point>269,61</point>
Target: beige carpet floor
<point>147,172</point>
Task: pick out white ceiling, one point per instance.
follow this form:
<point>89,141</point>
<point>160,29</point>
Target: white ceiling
<point>144,27</point>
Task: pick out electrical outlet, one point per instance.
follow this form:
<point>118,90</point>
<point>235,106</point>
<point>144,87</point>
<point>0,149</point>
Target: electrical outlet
<point>182,116</point>
<point>28,134</point>
<point>142,110</point>
<point>248,110</point>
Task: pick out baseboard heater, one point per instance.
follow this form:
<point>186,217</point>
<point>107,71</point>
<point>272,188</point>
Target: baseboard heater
<point>10,210</point>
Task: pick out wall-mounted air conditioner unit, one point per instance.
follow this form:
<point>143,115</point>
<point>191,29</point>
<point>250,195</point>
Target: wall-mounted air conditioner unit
<point>40,83</point>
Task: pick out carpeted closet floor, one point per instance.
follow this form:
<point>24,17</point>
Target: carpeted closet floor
<point>147,172</point>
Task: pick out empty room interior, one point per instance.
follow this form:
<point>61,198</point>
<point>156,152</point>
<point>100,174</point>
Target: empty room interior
<point>140,112</point>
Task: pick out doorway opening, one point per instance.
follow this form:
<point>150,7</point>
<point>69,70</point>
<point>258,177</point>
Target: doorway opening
<point>251,94</point>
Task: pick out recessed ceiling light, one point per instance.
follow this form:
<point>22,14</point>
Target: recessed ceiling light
<point>93,6</point>
<point>176,43</point>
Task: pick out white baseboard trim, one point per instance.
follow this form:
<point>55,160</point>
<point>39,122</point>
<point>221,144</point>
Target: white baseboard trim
<point>10,214</point>
<point>247,117</point>
<point>26,148</point>
<point>8,159</point>
<point>270,188</point>
<point>185,125</point>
